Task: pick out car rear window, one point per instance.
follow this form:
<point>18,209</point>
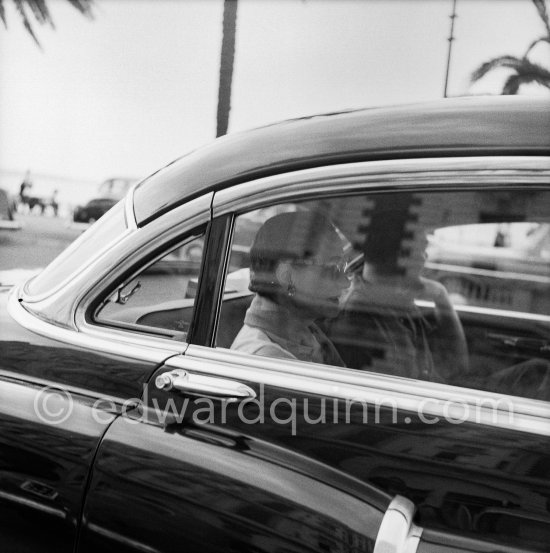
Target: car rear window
<point>81,252</point>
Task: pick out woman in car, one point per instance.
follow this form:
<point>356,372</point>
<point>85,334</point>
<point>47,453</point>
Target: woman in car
<point>297,272</point>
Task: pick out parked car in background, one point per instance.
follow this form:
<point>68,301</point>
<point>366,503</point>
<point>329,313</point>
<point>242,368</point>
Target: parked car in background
<point>7,210</point>
<point>129,421</point>
<point>93,210</point>
<point>109,193</point>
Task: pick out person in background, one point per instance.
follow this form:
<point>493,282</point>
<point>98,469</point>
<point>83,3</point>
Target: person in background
<point>54,204</point>
<point>297,271</point>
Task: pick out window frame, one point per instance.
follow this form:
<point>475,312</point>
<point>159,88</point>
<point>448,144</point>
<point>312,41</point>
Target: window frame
<point>423,175</point>
<point>134,273</point>
<point>141,248</point>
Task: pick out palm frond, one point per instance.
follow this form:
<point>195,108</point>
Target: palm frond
<point>534,43</point>
<point>513,83</point>
<point>20,7</point>
<point>543,13</point>
<point>502,61</point>
<point>534,69</point>
<point>511,86</point>
<point>524,71</point>
<point>3,14</point>
<point>41,13</point>
<point>83,6</point>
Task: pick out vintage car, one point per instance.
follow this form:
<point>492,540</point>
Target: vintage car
<point>7,210</point>
<point>93,210</point>
<point>109,192</point>
<point>131,419</point>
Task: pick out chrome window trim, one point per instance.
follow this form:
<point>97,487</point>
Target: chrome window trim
<point>131,221</point>
<point>492,311</point>
<point>398,533</point>
<point>154,235</point>
<point>132,276</point>
<point>390,174</point>
<point>529,415</point>
<point>112,342</point>
<point>496,274</point>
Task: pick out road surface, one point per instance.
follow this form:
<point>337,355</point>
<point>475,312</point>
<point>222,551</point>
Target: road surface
<point>40,240</point>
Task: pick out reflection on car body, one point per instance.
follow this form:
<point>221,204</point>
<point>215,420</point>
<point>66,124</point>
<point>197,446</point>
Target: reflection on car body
<point>129,422</point>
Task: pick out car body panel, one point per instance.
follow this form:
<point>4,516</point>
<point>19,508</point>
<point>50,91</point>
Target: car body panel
<point>44,466</point>
<point>56,401</point>
<point>455,472</point>
<point>219,490</point>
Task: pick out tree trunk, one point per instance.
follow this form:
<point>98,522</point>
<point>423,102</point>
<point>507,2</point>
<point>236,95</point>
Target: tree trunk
<point>226,65</point>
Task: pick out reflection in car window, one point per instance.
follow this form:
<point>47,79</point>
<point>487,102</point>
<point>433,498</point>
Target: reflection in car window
<point>81,252</point>
<point>448,287</point>
<point>480,263</point>
<point>161,297</point>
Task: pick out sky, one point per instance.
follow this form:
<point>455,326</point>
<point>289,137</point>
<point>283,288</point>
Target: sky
<point>135,87</point>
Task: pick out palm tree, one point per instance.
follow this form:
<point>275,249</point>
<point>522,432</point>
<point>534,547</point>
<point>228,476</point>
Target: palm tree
<point>524,71</point>
<point>226,65</point>
<point>41,12</point>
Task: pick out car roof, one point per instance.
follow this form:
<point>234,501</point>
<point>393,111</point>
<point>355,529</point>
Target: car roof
<point>103,199</point>
<point>486,125</point>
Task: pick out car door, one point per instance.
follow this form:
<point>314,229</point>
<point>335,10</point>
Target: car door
<point>57,398</point>
<point>224,438</point>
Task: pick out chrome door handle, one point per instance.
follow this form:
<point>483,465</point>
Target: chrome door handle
<point>204,386</point>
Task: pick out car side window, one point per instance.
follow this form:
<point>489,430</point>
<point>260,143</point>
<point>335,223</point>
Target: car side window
<point>159,299</point>
<point>449,287</point>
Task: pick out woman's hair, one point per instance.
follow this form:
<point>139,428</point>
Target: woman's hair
<point>299,235</point>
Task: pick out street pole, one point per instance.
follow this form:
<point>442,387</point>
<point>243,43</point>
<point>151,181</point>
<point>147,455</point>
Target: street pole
<point>450,39</point>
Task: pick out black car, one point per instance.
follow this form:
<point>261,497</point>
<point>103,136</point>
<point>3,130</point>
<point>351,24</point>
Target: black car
<point>109,192</point>
<point>7,209</point>
<point>133,418</point>
<point>93,210</point>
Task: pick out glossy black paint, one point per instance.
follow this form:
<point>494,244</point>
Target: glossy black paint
<point>48,439</point>
<point>457,475</point>
<point>453,127</point>
<point>44,468</point>
<point>440,542</point>
<point>201,489</point>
